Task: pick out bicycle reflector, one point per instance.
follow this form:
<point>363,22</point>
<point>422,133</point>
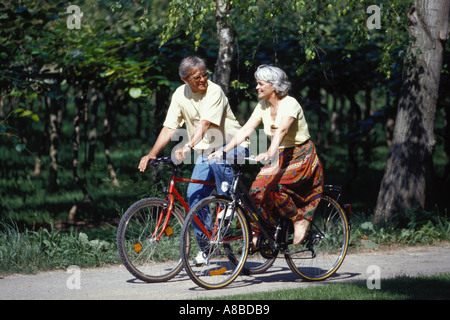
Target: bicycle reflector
<point>217,272</point>
<point>169,231</point>
<point>137,247</point>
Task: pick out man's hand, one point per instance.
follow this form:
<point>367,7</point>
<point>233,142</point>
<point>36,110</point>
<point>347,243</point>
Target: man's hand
<point>181,153</point>
<point>144,162</point>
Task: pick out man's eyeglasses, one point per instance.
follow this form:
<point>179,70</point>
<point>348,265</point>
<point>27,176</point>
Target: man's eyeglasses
<point>204,75</point>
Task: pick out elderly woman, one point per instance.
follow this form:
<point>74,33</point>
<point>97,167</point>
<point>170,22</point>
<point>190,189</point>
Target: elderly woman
<point>290,184</point>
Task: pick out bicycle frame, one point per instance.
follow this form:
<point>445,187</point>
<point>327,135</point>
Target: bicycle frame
<point>239,195</point>
<point>173,195</point>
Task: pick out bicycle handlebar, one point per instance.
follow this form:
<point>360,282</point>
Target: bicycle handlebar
<point>168,160</point>
<point>164,160</point>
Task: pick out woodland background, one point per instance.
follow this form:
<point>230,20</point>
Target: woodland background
<point>79,107</point>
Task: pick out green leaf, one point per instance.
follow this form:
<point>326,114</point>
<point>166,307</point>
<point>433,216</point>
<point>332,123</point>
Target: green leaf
<point>26,113</point>
<point>135,92</point>
<point>20,147</point>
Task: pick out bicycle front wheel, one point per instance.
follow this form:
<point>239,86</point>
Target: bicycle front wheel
<point>214,243</point>
<point>148,243</point>
<point>325,246</point>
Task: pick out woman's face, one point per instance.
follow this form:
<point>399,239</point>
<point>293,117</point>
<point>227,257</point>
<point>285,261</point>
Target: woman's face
<point>197,80</point>
<point>265,89</point>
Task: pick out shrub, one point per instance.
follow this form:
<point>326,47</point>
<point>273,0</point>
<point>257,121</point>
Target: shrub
<point>30,251</point>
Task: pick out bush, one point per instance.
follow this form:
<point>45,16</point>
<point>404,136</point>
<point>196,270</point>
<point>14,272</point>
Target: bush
<point>422,228</point>
<point>30,251</point>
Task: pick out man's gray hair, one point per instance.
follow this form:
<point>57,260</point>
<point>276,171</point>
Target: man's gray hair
<point>275,76</point>
<point>190,64</point>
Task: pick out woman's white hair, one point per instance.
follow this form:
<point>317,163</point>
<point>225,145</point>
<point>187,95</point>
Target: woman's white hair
<point>275,76</point>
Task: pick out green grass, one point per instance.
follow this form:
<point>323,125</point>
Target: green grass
<point>435,287</point>
<point>31,251</point>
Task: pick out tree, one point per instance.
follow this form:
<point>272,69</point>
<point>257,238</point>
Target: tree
<point>404,182</point>
<point>225,34</point>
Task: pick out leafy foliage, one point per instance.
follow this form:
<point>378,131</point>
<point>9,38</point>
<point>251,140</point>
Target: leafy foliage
<point>32,251</point>
<point>345,75</point>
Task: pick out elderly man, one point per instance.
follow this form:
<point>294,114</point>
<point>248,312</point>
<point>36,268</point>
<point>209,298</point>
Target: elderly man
<point>203,107</point>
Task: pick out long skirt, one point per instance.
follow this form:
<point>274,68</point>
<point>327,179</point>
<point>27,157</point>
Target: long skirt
<point>292,187</point>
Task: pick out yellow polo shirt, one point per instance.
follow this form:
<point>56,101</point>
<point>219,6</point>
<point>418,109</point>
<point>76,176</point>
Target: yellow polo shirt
<point>298,132</point>
<point>190,108</point>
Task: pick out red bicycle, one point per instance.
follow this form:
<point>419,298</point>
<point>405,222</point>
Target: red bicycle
<point>149,233</point>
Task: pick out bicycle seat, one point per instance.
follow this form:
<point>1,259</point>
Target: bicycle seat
<point>332,189</point>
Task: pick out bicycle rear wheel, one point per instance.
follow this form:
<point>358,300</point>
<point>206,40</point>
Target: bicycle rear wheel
<point>325,246</point>
<point>214,252</point>
<point>147,246</point>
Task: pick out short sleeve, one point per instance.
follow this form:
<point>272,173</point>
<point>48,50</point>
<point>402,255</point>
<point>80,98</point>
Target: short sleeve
<point>257,113</point>
<point>174,118</point>
<point>290,109</point>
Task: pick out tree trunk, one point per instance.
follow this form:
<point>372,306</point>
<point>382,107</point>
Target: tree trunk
<point>45,133</point>
<point>222,69</point>
<point>81,110</point>
<point>111,100</point>
<point>403,185</point>
<point>92,136</point>
<point>55,121</point>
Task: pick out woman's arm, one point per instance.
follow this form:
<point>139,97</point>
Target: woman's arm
<point>240,136</point>
<point>277,138</point>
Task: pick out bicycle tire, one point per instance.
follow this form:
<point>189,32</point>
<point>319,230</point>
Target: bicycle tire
<point>145,257</point>
<point>322,252</point>
<point>224,243</point>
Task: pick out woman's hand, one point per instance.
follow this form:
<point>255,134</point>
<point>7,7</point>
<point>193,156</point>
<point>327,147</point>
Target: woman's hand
<point>262,157</point>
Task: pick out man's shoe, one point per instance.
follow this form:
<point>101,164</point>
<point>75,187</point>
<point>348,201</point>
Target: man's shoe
<point>200,259</point>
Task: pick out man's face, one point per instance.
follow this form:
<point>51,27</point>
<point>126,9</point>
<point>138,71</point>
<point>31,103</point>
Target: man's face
<point>197,80</point>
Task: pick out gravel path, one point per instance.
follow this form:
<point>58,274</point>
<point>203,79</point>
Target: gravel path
<point>116,283</point>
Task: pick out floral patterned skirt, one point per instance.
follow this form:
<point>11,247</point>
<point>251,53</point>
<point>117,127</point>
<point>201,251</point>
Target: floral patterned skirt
<point>292,187</point>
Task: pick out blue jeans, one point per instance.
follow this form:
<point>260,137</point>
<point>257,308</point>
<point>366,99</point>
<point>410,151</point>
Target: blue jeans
<point>217,171</point>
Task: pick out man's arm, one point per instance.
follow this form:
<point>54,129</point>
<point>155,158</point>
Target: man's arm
<point>199,132</point>
<point>163,139</point>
